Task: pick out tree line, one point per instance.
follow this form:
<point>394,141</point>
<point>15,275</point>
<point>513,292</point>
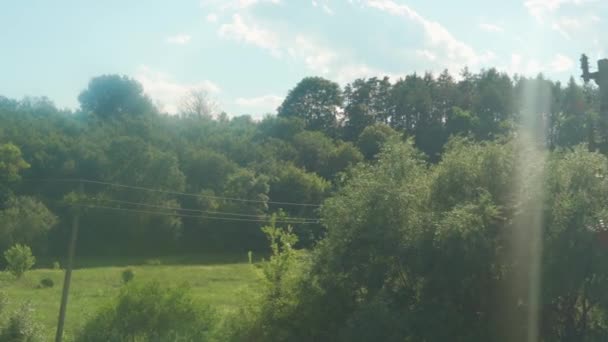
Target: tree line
<point>402,192</point>
<point>298,156</point>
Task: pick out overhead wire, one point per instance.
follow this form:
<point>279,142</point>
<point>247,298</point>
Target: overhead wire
<point>170,192</point>
<point>193,216</point>
<point>206,214</point>
<point>212,212</point>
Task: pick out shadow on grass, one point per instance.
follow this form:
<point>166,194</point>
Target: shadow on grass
<point>167,260</point>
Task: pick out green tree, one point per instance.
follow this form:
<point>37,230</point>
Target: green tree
<point>314,150</point>
<point>207,169</point>
<point>461,122</point>
<point>25,221</point>
<point>281,127</point>
<point>19,259</point>
<point>575,122</point>
<point>11,163</point>
<point>315,100</point>
<point>113,96</point>
<point>342,157</point>
<point>493,103</point>
<point>575,217</point>
<point>372,139</point>
<point>273,307</point>
<point>366,102</point>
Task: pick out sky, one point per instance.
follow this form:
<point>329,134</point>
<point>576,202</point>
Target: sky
<point>247,54</point>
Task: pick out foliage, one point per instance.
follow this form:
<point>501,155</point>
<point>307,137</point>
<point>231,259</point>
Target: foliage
<point>110,96</point>
<point>56,265</point>
<point>19,259</point>
<point>418,252</point>
<point>197,104</point>
<point>373,137</point>
<point>21,327</point>
<point>126,141</point>
<point>127,275</point>
<point>150,312</point>
<point>266,317</point>
<point>46,283</point>
<point>25,220</point>
<point>416,243</point>
<point>367,101</point>
<point>316,101</point>
<point>11,163</point>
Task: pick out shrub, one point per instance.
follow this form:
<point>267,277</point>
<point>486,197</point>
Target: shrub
<point>267,316</point>
<point>19,259</point>
<point>150,313</point>
<point>46,283</point>
<point>127,275</point>
<point>21,326</point>
<point>56,265</point>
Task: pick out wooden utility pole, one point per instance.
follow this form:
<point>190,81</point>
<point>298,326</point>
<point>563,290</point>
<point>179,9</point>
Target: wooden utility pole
<point>68,269</point>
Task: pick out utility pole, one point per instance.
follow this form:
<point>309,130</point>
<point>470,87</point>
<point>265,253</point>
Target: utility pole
<point>601,79</point>
<point>68,268</point>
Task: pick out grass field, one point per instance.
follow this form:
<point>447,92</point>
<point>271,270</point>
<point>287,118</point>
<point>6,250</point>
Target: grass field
<point>218,280</point>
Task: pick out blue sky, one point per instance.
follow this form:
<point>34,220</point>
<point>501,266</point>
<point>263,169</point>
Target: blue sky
<point>248,53</point>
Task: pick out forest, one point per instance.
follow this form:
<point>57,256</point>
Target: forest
<point>386,209</point>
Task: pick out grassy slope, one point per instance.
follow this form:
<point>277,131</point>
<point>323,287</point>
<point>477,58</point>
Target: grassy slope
<point>217,280</point>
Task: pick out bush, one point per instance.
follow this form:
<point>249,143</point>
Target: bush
<point>267,316</point>
<point>56,265</point>
<point>150,313</point>
<point>19,259</point>
<point>21,327</point>
<point>127,275</point>
<point>46,283</point>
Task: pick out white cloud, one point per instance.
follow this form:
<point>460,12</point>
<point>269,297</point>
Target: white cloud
<point>324,7</point>
<point>540,8</point>
<point>561,63</point>
<point>179,39</point>
<point>242,4</point>
<point>301,48</point>
<point>316,57</point>
<point>163,89</point>
<point>212,17</point>
<point>236,4</point>
<point>568,26</point>
<point>491,28</point>
<point>454,52</point>
<point>250,33</point>
<point>266,103</point>
<point>426,54</point>
<point>529,66</point>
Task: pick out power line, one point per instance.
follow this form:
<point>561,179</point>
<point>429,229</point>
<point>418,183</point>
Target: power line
<point>195,210</point>
<point>192,216</point>
<point>173,192</point>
